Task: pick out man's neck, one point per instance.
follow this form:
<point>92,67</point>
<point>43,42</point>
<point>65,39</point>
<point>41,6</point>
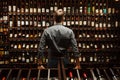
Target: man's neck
<point>60,23</point>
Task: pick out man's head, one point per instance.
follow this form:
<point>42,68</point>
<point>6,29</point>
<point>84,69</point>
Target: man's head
<point>59,15</point>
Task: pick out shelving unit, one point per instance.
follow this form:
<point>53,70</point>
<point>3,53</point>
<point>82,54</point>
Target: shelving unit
<point>3,33</point>
<point>48,74</point>
<point>96,25</point>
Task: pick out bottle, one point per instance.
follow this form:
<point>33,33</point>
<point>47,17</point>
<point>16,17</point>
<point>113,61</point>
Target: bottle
<point>27,46</point>
<point>27,58</point>
<point>4,78</point>
<point>95,57</point>
<point>91,58</point>
<point>113,74</point>
<point>15,59</point>
<point>100,77</point>
<point>85,76</point>
<point>23,57</point>
<point>89,8</point>
<point>1,39</point>
<point>19,58</point>
<point>116,23</point>
<point>71,76</point>
<point>19,46</point>
<point>33,79</point>
<point>106,74</point>
<point>36,46</point>
<point>93,75</point>
<point>23,78</point>
<point>31,58</point>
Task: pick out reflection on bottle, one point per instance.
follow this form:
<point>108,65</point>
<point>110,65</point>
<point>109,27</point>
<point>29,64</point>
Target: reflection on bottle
<point>23,79</point>
<point>4,78</point>
<point>113,74</point>
<point>85,76</point>
<point>71,76</point>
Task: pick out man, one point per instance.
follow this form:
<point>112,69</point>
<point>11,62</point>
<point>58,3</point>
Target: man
<point>59,39</point>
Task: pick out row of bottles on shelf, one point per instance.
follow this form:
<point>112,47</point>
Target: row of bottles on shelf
<point>89,7</point>
<point>3,52</point>
<point>23,45</point>
<point>79,35</point>
<point>4,56</point>
<point>90,23</point>
<point>97,34</point>
<point>96,45</point>
<point>3,30</point>
<point>25,35</point>
<point>21,58</point>
<point>95,57</point>
<point>3,39</point>
<point>65,23</point>
<point>52,74</point>
<point>38,17</point>
<point>99,8</point>
<point>43,21</point>
<point>24,57</point>
<point>3,24</point>
<point>81,21</point>
<point>3,18</point>
<point>84,45</point>
<point>76,8</point>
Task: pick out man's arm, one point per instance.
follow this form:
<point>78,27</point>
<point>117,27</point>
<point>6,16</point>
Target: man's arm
<point>75,50</point>
<point>41,48</point>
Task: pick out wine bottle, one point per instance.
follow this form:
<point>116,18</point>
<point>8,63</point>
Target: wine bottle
<point>19,58</point>
<point>33,79</point>
<point>94,77</point>
<point>23,78</point>
<point>108,77</point>
<point>85,76</point>
<point>4,78</point>
<point>71,76</point>
<point>23,57</point>
<point>100,76</point>
<point>27,58</point>
<point>113,74</point>
<point>95,57</point>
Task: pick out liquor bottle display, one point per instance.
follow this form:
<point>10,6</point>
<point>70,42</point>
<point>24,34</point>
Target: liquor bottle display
<point>3,33</point>
<point>84,74</point>
<point>96,25</point>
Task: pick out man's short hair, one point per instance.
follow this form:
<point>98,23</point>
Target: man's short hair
<point>58,16</point>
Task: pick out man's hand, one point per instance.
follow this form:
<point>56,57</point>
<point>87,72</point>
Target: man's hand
<point>41,67</point>
<point>77,64</point>
<point>77,67</point>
